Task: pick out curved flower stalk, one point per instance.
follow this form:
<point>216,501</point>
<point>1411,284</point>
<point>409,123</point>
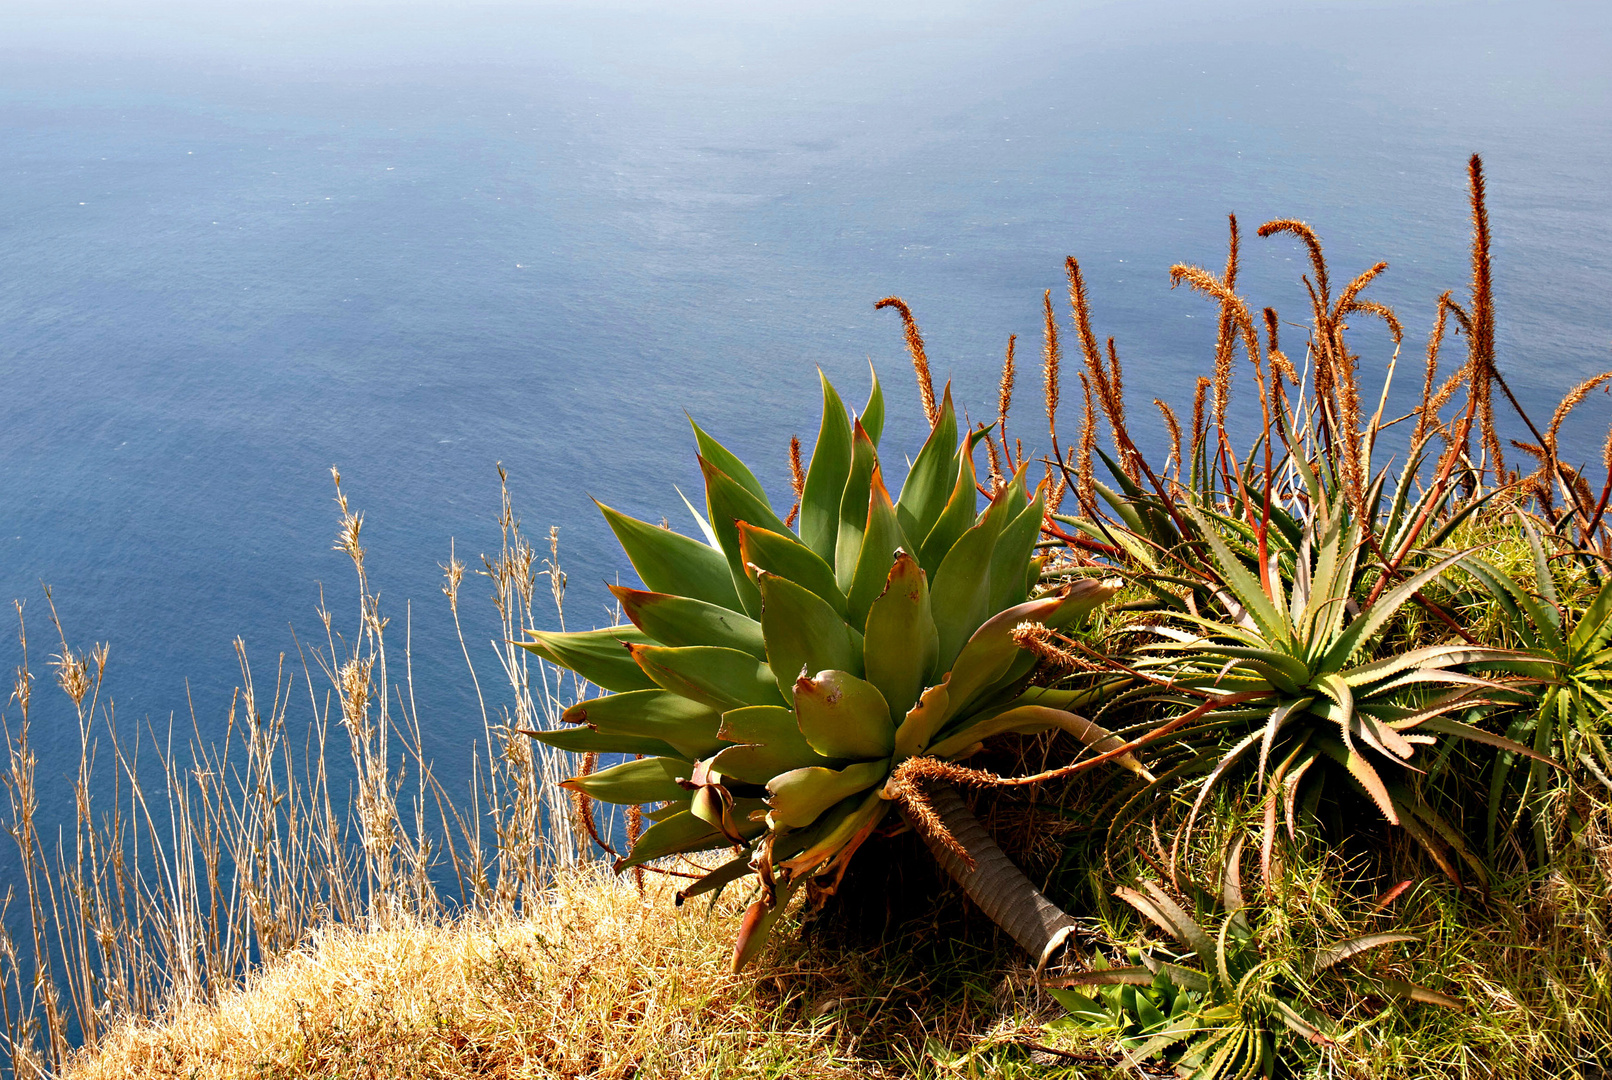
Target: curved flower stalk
<point>773,680</point>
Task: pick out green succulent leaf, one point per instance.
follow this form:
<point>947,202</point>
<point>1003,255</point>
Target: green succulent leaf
<point>842,716</point>
<point>670,562</point>
<point>782,554</point>
<point>957,517</point>
<point>599,656</point>
<point>881,540</point>
<point>723,459</point>
<point>932,477</point>
<point>588,741</point>
<point>719,678</point>
<point>873,415</point>
<point>677,835</point>
<point>647,781</point>
<point>901,642</point>
<point>688,726</point>
<point>854,508</point>
<point>678,621</point>
<point>730,503</point>
<point>825,478</point>
<point>800,795</point>
<point>803,633</point>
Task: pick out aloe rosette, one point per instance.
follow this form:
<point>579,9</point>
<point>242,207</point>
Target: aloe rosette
<point>773,680</point>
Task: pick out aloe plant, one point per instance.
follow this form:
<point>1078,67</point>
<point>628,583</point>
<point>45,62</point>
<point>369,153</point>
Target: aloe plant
<point>773,680</point>
<point>1226,1007</point>
<point>1291,674</point>
<point>1565,650</point>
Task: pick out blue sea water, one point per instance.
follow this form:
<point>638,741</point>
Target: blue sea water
<point>240,244</point>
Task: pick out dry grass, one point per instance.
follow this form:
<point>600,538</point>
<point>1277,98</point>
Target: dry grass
<point>601,981</point>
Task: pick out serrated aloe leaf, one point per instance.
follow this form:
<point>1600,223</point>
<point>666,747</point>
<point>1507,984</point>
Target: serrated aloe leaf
<point>923,720</point>
<point>670,562</point>
<point>803,633</point>
<point>837,843</point>
<point>729,504</point>
<point>782,554</point>
<point>873,415</point>
<point>650,780</point>
<point>724,459</point>
<point>688,726</point>
<point>1422,994</point>
<point>843,716</point>
<point>1343,950</point>
<point>930,481</point>
<point>825,477</point>
<point>599,656</point>
<point>958,516</point>
<point>720,678</point>
<point>759,764</point>
<point>678,621</point>
<point>900,644</point>
<point>881,539</point>
<point>588,741</point>
<point>718,879</point>
<point>677,834</point>
<point>756,926</point>
<point>854,507</point>
<point>800,795</point>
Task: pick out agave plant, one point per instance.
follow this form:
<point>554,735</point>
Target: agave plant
<point>1225,1007</point>
<point>774,680</point>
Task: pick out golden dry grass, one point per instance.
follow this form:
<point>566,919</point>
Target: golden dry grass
<point>601,982</point>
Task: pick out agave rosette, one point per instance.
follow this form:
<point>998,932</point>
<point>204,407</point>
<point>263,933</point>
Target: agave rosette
<point>774,679</point>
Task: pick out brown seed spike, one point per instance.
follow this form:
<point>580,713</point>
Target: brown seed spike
<point>1174,427</point>
<point>797,479</point>
<point>1051,357</point>
<point>1004,389</point>
<point>920,360</point>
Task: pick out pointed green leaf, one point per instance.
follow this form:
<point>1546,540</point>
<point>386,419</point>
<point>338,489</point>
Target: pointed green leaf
<point>719,456</point>
<point>670,562</point>
<point>1009,583</point>
<point>599,656</point>
<point>688,726</point>
<point>678,834</point>
<point>588,741</point>
<point>960,591</point>
<point>873,415</point>
<point>930,481</point>
<point>678,620</point>
<point>650,780</point>
<point>843,717</point>
<point>854,508</point>
<point>959,514</point>
<point>729,503</point>
<point>825,477</point>
<point>1343,950</point>
<point>923,720</point>
<point>758,764</point>
<point>803,633</point>
<point>720,678</point>
<point>799,796</point>
<point>901,642</point>
<point>782,554</point>
<point>881,540</point>
<point>991,652</point>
